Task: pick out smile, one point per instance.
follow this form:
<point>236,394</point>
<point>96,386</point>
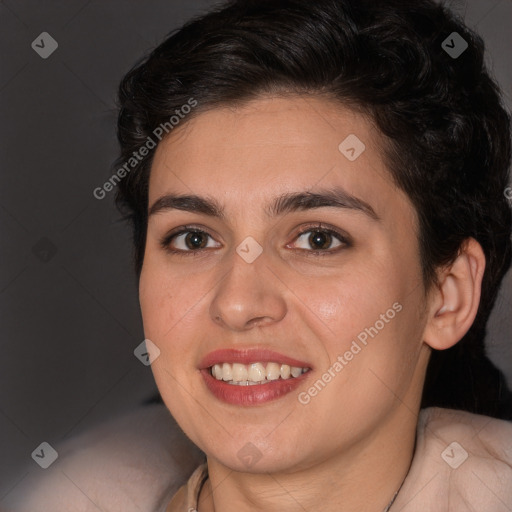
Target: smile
<point>250,377</point>
<point>255,373</point>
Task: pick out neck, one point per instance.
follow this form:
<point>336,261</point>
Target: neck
<point>364,477</point>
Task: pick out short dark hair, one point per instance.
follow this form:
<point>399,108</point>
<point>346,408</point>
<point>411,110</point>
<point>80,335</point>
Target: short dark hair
<point>446,132</point>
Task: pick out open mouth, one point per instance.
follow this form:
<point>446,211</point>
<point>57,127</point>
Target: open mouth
<point>252,376</point>
<point>239,374</point>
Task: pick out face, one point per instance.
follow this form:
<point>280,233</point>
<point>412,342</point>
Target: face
<point>329,285</point>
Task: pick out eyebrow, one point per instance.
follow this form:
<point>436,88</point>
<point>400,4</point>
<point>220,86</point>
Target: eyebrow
<point>335,197</point>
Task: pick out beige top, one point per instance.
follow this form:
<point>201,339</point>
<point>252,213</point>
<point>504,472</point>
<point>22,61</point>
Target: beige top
<point>462,462</point>
<point>187,496</point>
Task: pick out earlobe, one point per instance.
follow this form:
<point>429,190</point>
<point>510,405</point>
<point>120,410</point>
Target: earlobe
<point>454,303</point>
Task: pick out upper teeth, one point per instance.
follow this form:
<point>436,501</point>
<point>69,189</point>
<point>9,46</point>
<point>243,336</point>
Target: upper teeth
<point>254,372</point>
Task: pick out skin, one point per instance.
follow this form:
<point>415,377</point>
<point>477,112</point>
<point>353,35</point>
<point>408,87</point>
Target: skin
<point>338,447</point>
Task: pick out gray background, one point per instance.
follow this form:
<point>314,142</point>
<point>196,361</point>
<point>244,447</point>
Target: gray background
<point>68,300</point>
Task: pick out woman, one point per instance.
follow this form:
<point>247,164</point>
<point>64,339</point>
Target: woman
<point>321,229</point>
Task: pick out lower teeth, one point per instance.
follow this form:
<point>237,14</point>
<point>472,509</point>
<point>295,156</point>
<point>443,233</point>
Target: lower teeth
<point>251,383</point>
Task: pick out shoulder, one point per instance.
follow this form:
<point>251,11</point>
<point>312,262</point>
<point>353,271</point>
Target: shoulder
<point>462,461</point>
<point>134,462</point>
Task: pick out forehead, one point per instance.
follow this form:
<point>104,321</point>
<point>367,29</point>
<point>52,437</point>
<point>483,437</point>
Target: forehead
<point>246,154</point>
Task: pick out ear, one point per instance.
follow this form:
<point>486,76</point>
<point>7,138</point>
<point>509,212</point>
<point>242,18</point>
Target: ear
<point>453,304</point>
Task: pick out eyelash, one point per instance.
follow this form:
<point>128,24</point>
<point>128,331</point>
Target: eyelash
<point>167,239</point>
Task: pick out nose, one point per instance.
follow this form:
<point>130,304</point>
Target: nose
<point>249,295</point>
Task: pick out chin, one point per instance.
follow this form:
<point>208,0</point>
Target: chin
<point>259,457</point>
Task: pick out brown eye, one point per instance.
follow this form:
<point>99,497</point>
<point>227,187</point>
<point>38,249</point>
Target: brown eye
<point>186,240</point>
<point>321,240</point>
<point>195,240</point>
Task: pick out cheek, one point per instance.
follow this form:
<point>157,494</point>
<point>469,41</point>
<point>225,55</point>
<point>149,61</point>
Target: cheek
<point>160,297</point>
<point>358,298</point>
<point>377,305</point>
<point>173,310</point>
<point>153,299</point>
<point>329,307</point>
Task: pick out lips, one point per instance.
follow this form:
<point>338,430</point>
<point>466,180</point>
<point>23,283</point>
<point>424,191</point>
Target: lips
<point>256,393</point>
